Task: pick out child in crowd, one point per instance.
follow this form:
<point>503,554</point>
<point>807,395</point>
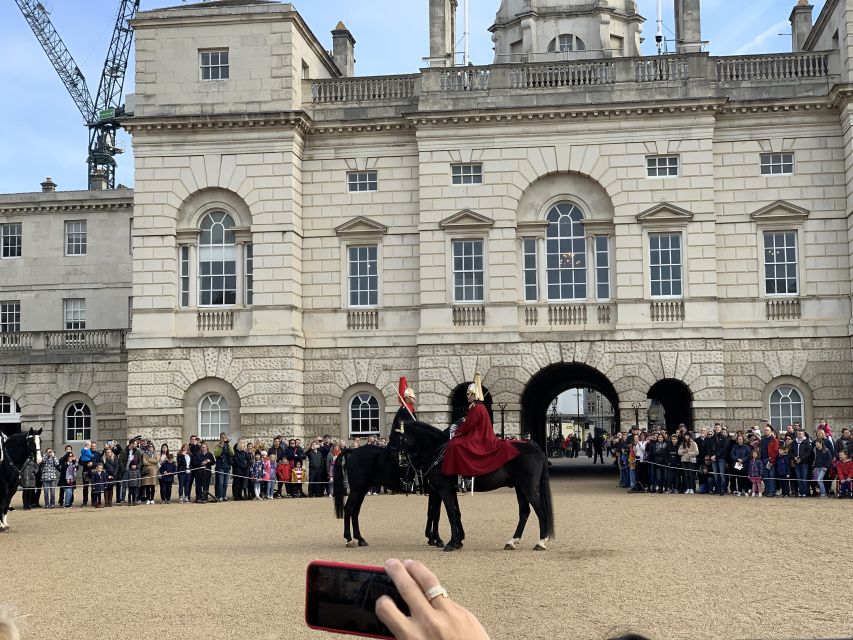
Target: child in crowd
<point>133,479</point>
<point>706,476</point>
<point>821,461</point>
<point>266,477</point>
<point>256,473</point>
<point>49,478</point>
<point>70,481</point>
<point>755,474</point>
<point>783,468</point>
<point>99,485</point>
<point>168,469</point>
<point>844,475</point>
<point>273,458</point>
<point>282,474</point>
<point>297,477</point>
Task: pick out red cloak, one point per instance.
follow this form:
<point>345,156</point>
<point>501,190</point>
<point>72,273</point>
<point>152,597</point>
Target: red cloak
<point>475,450</point>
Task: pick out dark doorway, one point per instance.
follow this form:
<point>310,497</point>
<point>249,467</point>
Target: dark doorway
<point>551,382</point>
<point>677,402</point>
<point>459,403</point>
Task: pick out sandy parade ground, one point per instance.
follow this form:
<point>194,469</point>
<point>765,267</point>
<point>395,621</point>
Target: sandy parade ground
<point>670,566</point>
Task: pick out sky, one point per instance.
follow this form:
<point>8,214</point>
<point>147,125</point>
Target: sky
<point>42,132</point>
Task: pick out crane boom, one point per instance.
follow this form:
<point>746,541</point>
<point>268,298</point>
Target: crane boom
<point>115,65</point>
<point>39,21</point>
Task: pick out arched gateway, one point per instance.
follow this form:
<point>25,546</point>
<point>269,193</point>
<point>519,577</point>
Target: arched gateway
<point>552,381</point>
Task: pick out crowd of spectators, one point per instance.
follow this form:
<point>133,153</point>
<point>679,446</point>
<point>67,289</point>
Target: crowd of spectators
<point>132,475</point>
<point>757,462</point>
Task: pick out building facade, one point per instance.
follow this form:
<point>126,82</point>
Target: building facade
<point>668,229</point>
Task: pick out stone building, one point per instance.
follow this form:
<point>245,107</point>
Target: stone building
<point>64,301</point>
<point>668,229</point>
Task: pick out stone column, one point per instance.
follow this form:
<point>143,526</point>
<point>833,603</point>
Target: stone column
<point>441,36</point>
<point>801,24</point>
<point>688,26</point>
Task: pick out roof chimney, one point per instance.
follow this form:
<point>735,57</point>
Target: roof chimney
<point>97,180</point>
<point>688,26</point>
<point>801,24</point>
<point>48,185</point>
<point>343,50</point>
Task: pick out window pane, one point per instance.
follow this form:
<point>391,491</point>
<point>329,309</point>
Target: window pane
<point>363,279</point>
<point>665,275</point>
<point>468,274</point>
<point>364,415</point>
<point>217,260</point>
<point>566,252</point>
<point>780,263</point>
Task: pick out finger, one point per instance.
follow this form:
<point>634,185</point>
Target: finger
<point>408,588</point>
<point>391,616</point>
<point>426,580</point>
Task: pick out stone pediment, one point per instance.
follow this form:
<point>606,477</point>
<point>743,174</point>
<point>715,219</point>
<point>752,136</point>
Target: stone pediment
<point>665,215</point>
<point>466,220</point>
<point>780,212</point>
<point>361,226</point>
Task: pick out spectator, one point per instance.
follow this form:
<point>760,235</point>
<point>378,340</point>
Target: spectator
<point>99,485</point>
<point>659,455</point>
<point>133,480</point>
<point>257,474</point>
<point>673,463</point>
<point>297,477</point>
<point>821,459</point>
<point>266,475</point>
<point>688,451</point>
<point>282,475</point>
<point>63,465</point>
<point>706,476</point>
<point>28,483</point>
<point>70,475</point>
<point>844,443</point>
<point>271,480</point>
<point>277,449</point>
<point>801,453</point>
<point>769,450</point>
<point>87,460</point>
<point>49,477</point>
<point>224,454</point>
<point>184,478</point>
<point>168,470</point>
<point>844,475</point>
<point>316,470</point>
<point>331,461</point>
<point>150,463</point>
<point>740,458</point>
<point>718,448</point>
<point>783,467</point>
<point>755,474</point>
<point>240,466</point>
<point>125,459</point>
<point>110,462</point>
<point>202,463</point>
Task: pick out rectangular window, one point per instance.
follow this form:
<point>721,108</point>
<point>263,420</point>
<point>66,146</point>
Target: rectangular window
<point>665,264</point>
<point>773,164</point>
<point>363,276</point>
<point>602,267</point>
<point>250,273</point>
<point>780,263</point>
<point>214,64</point>
<point>466,173</point>
<point>531,285</point>
<point>10,316</point>
<point>468,271</point>
<point>10,240</point>
<point>185,276</point>
<point>662,166</point>
<point>75,238</point>
<point>74,310</point>
<point>362,181</point>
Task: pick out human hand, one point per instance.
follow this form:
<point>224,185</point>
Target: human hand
<point>436,619</point>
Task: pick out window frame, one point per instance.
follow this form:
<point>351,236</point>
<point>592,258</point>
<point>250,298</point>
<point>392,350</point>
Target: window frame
<point>221,409</point>
<point>82,412</point>
<point>369,179</point>
<point>654,164</point>
<point>370,418</point>
<point>184,277</point>
<point>530,274</point>
<point>218,66</point>
<point>222,248</point>
<point>802,404</point>
<point>248,273</point>
<point>468,174</point>
<point>764,264</point>
<point>559,239</point>
<point>473,241</point>
<point>351,278</point>
<point>768,161</point>
<point>72,239</point>
<point>576,44</point>
<point>5,236</point>
<point>68,311</point>
<point>608,268</point>
<point>6,312</point>
<point>10,410</point>
<point>682,263</point>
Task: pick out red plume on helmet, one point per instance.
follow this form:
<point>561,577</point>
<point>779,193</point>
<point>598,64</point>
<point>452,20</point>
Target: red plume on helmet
<point>405,392</point>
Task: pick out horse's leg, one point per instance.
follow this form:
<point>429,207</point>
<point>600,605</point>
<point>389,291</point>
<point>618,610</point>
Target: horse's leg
<point>523,515</point>
<point>4,510</point>
<point>356,530</point>
<point>348,509</point>
<point>531,495</point>
<point>433,519</point>
<point>451,505</point>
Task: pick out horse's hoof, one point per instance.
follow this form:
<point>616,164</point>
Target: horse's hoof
<point>508,547</point>
<point>362,543</point>
<point>540,547</point>
<point>452,546</point>
<point>352,544</point>
<point>439,543</point>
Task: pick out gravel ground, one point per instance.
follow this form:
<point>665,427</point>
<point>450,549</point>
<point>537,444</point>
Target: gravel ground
<point>668,566</point>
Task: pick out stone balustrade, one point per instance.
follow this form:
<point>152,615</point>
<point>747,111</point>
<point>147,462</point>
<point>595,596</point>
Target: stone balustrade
<point>97,340</point>
<point>365,89</point>
<point>366,320</point>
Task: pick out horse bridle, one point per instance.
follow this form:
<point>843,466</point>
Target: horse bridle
<point>20,471</point>
<point>419,471</point>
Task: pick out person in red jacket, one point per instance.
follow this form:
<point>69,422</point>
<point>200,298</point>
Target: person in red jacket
<point>474,449</point>
<point>844,475</point>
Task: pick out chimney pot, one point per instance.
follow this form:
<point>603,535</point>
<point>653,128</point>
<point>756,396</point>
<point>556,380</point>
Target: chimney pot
<point>48,185</point>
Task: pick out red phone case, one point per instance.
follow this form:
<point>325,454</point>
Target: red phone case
<point>341,565</point>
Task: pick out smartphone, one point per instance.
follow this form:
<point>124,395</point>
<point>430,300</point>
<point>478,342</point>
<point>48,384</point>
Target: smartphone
<point>341,598</point>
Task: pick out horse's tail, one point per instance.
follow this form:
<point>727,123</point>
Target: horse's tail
<point>338,485</point>
<point>547,501</point>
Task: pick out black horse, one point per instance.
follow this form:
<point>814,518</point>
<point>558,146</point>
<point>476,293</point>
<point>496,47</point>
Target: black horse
<point>373,466</point>
<point>527,473</point>
<point>16,451</point>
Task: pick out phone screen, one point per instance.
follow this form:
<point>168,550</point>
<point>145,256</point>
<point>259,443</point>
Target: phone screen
<point>343,598</point>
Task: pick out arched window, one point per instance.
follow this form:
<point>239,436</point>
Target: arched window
<point>213,416</point>
<point>217,261</point>
<point>10,415</point>
<point>78,422</point>
<point>363,415</point>
<point>786,407</point>
<point>566,43</point>
<point>566,253</point>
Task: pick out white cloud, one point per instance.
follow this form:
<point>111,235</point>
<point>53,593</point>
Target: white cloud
<point>757,44</point>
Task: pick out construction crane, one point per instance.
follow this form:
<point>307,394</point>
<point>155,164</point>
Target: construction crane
<point>103,114</point>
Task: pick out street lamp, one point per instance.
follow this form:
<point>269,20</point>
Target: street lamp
<point>502,406</point>
<point>636,406</point>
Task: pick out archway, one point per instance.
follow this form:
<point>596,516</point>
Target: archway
<point>549,383</point>
<point>459,403</point>
<point>676,399</point>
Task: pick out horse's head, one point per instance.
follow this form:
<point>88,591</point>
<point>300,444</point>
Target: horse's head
<point>34,444</point>
<point>417,438</point>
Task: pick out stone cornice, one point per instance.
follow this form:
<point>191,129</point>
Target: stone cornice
<point>382,125</point>
<point>296,120</point>
<point>34,204</point>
